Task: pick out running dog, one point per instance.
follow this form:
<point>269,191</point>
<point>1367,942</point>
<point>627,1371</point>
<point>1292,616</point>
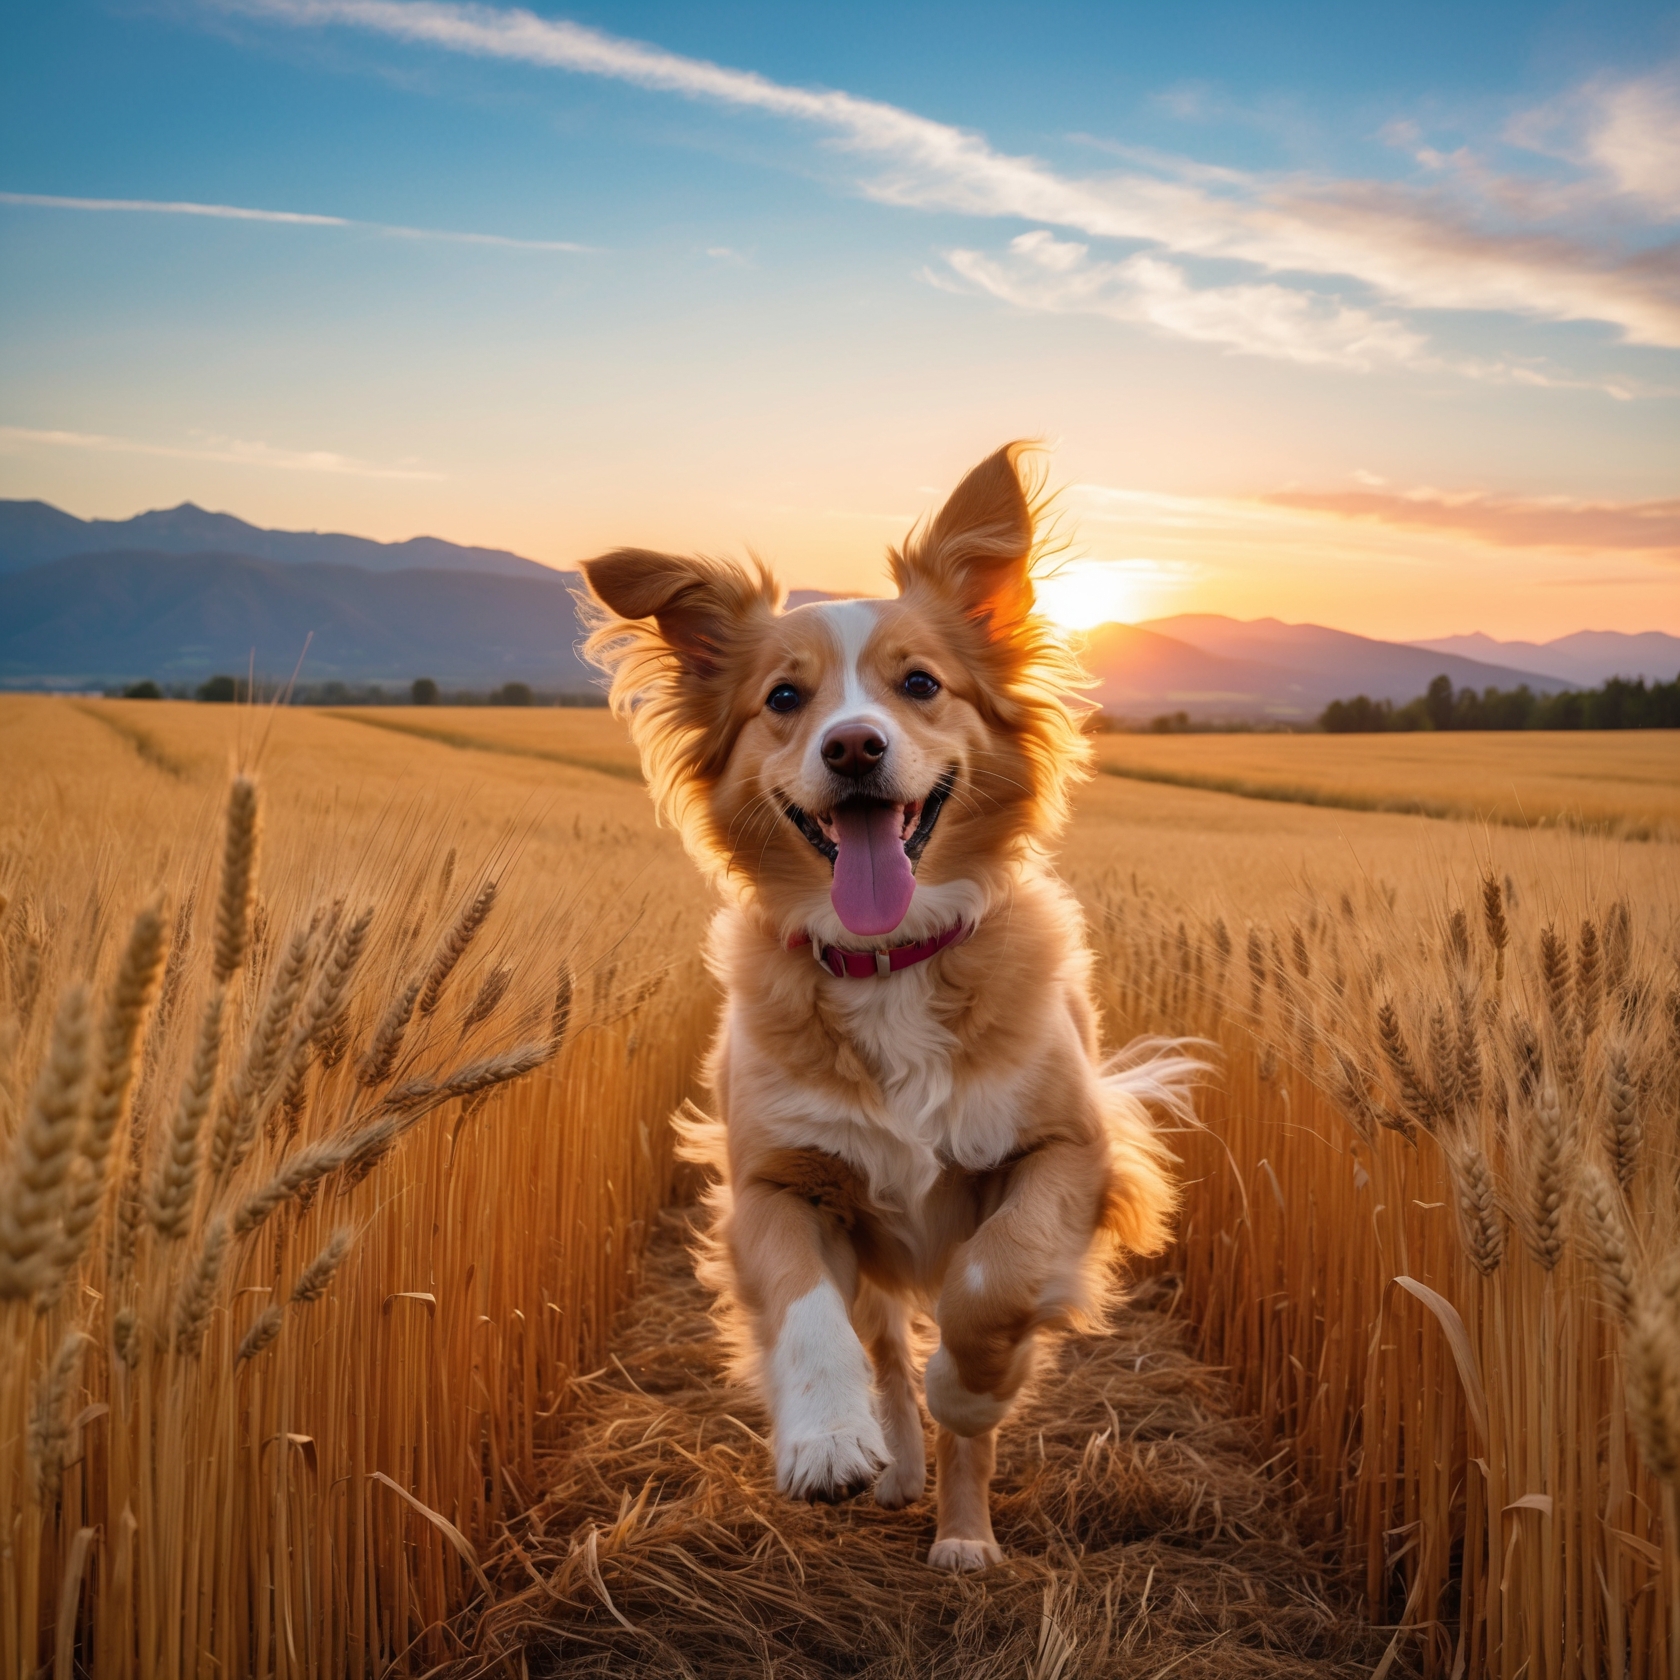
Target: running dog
<point>912,1109</point>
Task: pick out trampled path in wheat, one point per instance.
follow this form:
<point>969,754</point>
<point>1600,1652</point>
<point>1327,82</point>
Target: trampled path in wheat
<point>1143,1537</point>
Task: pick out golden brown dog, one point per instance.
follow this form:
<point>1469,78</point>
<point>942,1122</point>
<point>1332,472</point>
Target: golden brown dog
<point>912,1109</point>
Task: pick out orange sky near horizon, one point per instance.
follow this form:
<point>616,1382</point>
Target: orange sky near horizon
<point>1379,562</point>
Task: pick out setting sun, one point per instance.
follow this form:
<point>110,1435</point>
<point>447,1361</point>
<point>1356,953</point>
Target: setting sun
<point>1085,593</point>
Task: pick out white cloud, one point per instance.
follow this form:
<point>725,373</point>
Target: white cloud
<point>1417,250</point>
<point>1261,318</point>
<point>229,451</point>
<point>293,218</point>
<point>1636,140</point>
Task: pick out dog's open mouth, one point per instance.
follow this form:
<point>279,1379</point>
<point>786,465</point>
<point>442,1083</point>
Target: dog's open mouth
<point>874,846</point>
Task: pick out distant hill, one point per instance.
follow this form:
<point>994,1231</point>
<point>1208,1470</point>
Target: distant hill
<point>32,533</point>
<point>98,618</point>
<point>1215,667</point>
<point>1589,657</point>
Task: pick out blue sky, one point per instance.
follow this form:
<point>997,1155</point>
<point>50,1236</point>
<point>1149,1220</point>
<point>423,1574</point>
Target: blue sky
<point>1364,315</point>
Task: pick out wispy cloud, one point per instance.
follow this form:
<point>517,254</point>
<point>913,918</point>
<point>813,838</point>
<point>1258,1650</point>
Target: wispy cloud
<point>1261,318</point>
<point>289,218</point>
<point>229,451</point>
<point>1504,521</point>
<point>1623,135</point>
<point>1416,248</point>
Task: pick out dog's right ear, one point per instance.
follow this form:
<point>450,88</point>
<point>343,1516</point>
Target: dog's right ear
<point>700,607</point>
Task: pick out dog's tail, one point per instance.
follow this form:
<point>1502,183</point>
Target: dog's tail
<point>1162,1073</point>
<point>1149,1073</point>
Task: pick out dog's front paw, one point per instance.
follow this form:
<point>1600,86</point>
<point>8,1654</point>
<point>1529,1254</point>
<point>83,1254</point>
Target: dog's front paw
<point>964,1557</point>
<point>828,1468</point>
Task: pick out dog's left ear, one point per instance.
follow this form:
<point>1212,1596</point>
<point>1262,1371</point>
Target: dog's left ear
<point>701,607</point>
<point>979,546</point>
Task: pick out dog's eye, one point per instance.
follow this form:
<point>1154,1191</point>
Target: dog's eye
<point>919,685</point>
<point>784,697</point>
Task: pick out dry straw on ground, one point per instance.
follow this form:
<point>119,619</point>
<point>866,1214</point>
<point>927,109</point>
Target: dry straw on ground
<point>1141,1532</point>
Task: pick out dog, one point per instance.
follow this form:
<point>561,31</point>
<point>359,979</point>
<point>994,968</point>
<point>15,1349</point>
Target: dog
<point>912,1112</point>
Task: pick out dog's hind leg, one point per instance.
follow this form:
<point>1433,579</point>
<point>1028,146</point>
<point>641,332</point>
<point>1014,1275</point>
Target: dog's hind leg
<point>883,1321</point>
<point>964,1466</point>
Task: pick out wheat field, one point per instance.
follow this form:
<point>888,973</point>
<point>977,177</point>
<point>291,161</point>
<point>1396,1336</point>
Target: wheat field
<point>1624,782</point>
<point>336,1051</point>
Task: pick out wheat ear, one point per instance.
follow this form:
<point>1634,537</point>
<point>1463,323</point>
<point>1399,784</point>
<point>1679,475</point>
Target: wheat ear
<point>375,1066</point>
<point>454,946</point>
<point>1418,1100</point>
<point>314,1278</point>
<point>1493,919</point>
<point>1546,1179</point>
<point>32,1188</point>
<point>119,1042</point>
<point>1607,1239</point>
<point>171,1199</point>
<point>192,1307</point>
<point>490,993</point>
<point>560,1017</point>
<point>1478,1210</point>
<point>1589,979</point>
<point>49,1430</point>
<point>239,862</point>
<point>261,1333</point>
<point>304,1169</point>
<point>1624,1123</point>
<point>236,1118</point>
<point>125,1336</point>
<point>1653,1369</point>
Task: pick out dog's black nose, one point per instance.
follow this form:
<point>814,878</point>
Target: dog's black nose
<point>853,749</point>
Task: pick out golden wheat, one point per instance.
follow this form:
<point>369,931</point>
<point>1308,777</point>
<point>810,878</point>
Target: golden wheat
<point>1430,1227</point>
<point>1455,1407</point>
<point>453,1207</point>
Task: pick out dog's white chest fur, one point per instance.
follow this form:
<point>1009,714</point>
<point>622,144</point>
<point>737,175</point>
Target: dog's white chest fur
<point>930,1113</point>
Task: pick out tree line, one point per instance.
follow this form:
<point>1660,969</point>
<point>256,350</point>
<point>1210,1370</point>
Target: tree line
<point>1619,704</point>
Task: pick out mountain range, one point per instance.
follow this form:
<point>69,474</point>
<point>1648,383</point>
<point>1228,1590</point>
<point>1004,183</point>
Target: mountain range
<point>32,533</point>
<point>177,594</point>
<point>1589,657</point>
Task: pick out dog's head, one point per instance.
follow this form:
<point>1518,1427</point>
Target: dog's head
<point>864,768</point>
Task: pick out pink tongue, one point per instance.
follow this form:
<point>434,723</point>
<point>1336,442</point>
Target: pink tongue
<point>873,882</point>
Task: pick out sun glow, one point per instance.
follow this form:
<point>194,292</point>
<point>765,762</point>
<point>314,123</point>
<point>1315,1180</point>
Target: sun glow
<point>1085,593</point>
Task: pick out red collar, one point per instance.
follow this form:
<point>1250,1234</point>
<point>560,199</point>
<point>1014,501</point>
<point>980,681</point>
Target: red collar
<point>846,964</point>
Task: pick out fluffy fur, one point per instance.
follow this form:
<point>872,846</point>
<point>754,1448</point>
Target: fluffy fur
<point>943,1139</point>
